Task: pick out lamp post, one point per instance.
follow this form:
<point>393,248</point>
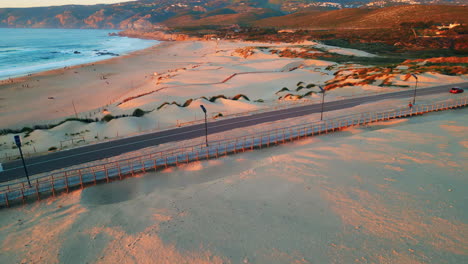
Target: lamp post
<point>323,101</point>
<point>415,87</point>
<point>18,144</point>
<point>206,125</point>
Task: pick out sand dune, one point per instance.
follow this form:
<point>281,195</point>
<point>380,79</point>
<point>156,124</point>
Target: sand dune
<point>173,73</point>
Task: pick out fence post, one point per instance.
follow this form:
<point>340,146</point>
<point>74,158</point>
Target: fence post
<point>142,164</point>
<point>53,187</point>
<point>6,199</point>
<point>120,170</point>
<point>22,195</point>
<point>66,180</point>
<point>106,172</point>
<point>94,174</point>
<point>37,189</point>
<point>81,178</point>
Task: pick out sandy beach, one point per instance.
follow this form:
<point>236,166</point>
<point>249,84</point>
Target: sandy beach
<point>386,193</point>
<point>391,192</point>
<point>170,80</point>
<point>48,96</point>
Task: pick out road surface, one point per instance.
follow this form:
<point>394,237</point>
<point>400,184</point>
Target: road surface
<point>66,158</point>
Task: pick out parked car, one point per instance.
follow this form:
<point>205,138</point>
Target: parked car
<point>456,90</point>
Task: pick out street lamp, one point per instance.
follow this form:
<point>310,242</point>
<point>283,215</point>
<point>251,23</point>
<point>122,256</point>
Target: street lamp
<point>415,87</point>
<point>206,125</point>
<point>323,101</point>
<point>18,144</point>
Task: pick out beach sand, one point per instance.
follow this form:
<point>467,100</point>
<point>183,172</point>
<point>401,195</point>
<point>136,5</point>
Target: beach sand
<point>392,192</point>
<point>50,95</point>
<point>171,72</point>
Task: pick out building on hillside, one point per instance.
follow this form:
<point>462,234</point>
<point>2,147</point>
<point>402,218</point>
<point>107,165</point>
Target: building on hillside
<point>449,26</point>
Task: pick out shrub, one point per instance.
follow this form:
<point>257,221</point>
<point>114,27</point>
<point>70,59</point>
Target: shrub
<point>214,98</point>
<point>187,103</point>
<point>27,129</point>
<point>218,115</point>
<point>163,104</point>
<point>282,90</point>
<point>259,101</point>
<point>84,120</point>
<point>237,97</point>
<point>138,112</point>
<point>300,83</point>
<point>52,148</point>
<point>299,88</point>
<point>107,118</point>
<point>167,103</point>
<point>310,85</point>
<point>8,131</point>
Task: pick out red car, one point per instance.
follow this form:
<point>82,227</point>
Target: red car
<point>456,90</point>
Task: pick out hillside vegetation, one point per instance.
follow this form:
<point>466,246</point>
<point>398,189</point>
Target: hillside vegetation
<point>145,14</point>
<point>368,18</point>
<point>244,15</point>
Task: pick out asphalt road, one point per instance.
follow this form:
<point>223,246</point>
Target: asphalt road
<point>66,158</point>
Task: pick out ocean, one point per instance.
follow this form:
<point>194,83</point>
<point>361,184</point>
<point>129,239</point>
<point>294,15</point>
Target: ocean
<point>26,51</point>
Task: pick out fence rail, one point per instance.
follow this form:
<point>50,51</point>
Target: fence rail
<point>53,183</point>
<point>225,115</point>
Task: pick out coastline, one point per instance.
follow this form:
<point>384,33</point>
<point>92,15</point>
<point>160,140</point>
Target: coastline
<point>169,81</point>
<point>61,77</point>
<point>21,78</point>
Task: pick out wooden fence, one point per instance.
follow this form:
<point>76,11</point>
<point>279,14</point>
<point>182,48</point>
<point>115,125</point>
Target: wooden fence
<point>19,191</point>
